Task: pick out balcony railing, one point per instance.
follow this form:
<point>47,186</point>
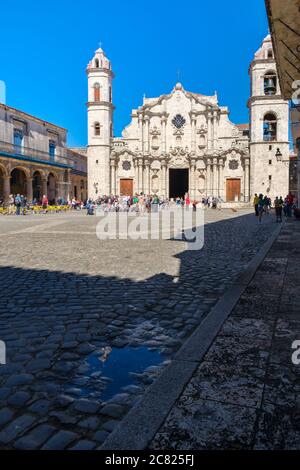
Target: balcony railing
<point>34,154</point>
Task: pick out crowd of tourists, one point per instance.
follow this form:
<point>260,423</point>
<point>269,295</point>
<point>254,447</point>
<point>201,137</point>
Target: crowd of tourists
<point>19,204</point>
<point>263,205</point>
<point>143,203</point>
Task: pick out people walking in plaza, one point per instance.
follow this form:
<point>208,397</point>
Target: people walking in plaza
<point>255,203</point>
<point>289,204</point>
<point>11,204</point>
<point>18,204</point>
<point>187,201</point>
<point>261,206</point>
<point>45,202</point>
<point>278,204</point>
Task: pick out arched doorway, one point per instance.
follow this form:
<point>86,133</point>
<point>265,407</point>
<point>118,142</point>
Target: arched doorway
<point>178,182</point>
<point>37,186</point>
<point>51,183</point>
<point>18,182</point>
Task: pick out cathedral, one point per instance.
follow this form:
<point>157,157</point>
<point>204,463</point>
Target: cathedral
<point>185,142</point>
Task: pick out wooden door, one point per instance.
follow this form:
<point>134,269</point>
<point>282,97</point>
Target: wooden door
<point>233,190</point>
<point>126,187</point>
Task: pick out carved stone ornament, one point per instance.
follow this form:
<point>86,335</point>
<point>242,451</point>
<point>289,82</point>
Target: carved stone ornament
<point>126,165</point>
<point>233,165</point>
<point>178,151</point>
<point>155,131</point>
<point>202,129</point>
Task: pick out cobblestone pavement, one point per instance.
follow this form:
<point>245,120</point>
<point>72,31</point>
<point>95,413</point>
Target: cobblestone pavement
<point>65,296</point>
<point>245,393</point>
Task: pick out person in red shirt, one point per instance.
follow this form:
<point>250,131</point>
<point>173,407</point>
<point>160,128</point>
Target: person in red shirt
<point>45,202</point>
<point>187,201</point>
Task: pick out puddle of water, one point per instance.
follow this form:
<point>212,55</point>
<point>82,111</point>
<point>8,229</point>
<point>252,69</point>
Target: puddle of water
<point>117,364</point>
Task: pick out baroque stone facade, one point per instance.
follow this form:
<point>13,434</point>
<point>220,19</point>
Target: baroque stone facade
<point>185,142</point>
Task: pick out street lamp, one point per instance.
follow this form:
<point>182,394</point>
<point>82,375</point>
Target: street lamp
<point>96,187</point>
<point>278,155</point>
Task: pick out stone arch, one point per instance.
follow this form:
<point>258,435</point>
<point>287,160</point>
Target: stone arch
<point>37,184</point>
<point>3,169</point>
<point>18,183</point>
<point>52,183</point>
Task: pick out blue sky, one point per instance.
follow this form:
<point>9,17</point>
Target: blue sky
<point>47,45</point>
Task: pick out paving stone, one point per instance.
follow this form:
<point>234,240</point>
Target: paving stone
<point>84,445</point>
<point>19,399</point>
<point>4,392</point>
<point>60,440</point>
<point>40,407</point>
<point>19,379</point>
<point>6,415</point>
<point>86,406</point>
<point>33,440</point>
<point>112,410</point>
<point>15,428</point>
<point>100,436</point>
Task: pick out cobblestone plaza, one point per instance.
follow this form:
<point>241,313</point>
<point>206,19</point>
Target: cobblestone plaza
<point>75,312</point>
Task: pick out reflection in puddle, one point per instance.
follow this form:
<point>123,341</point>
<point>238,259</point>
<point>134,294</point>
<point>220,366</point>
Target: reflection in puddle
<point>112,369</point>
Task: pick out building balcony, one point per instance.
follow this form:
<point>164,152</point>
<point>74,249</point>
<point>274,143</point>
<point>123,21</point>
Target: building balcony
<point>34,155</point>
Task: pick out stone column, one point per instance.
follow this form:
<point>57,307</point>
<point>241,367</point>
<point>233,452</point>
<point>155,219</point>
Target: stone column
<point>44,187</point>
<point>215,177</point>
<point>6,188</point>
<point>146,134</point>
<point>221,179</point>
<point>29,189</point>
<point>147,177</point>
<point>215,129</point>
<point>113,177</point>
<point>209,130</point>
<point>194,120</point>
<point>140,170</point>
<point>246,181</point>
<point>163,178</point>
<point>192,187</point>
<point>136,176</point>
<point>208,178</point>
<point>141,132</point>
<point>163,134</point>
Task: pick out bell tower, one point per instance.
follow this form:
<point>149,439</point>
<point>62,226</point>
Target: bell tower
<point>100,124</point>
<point>269,124</point>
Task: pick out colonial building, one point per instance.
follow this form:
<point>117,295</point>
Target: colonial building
<point>185,142</point>
<point>34,159</point>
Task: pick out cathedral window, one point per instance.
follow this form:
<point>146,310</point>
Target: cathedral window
<point>270,83</point>
<point>96,92</point>
<point>270,127</point>
<point>270,54</point>
<point>97,63</point>
<point>111,130</point>
<point>97,128</point>
<point>178,121</point>
<point>110,95</point>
